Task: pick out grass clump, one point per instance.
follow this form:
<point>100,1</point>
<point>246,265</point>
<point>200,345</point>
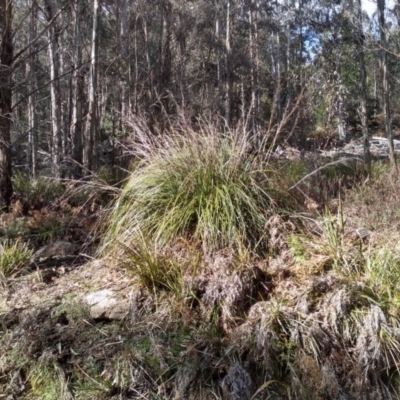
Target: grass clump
<point>47,382</point>
<point>158,269</point>
<point>14,256</point>
<point>202,185</point>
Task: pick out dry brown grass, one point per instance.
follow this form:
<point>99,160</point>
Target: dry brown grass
<point>375,203</point>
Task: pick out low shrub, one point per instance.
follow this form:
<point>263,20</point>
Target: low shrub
<point>37,191</point>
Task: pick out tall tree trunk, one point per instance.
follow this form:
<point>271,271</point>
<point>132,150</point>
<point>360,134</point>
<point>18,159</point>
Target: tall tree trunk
<point>219,59</point>
<point>181,37</point>
<point>54,91</point>
<point>340,106</point>
<point>136,83</point>
<point>279,83</point>
<point>91,121</point>
<point>77,95</point>
<point>124,81</point>
<point>166,58</point>
<point>150,71</point>
<point>228,100</point>
<point>385,82</point>
<point>362,83</point>
<point>31,79</point>
<point>254,108</point>
<point>6,59</point>
<point>64,101</point>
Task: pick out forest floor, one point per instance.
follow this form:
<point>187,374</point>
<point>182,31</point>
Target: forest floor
<point>316,318</point>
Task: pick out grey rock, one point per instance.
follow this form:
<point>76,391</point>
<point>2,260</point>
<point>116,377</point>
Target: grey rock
<point>105,305</point>
<point>111,310</point>
<point>362,233</point>
<point>59,248</point>
<point>98,297</point>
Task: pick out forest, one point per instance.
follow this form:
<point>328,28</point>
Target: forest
<point>199,199</point>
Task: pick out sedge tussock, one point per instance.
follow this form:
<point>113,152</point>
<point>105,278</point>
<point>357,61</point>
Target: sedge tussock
<point>14,257</point>
<point>202,185</point>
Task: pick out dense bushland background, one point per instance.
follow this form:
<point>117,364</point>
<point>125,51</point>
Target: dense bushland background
<point>191,159</point>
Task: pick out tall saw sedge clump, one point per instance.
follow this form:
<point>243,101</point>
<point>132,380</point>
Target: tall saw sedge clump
<point>14,258</point>
<point>202,185</point>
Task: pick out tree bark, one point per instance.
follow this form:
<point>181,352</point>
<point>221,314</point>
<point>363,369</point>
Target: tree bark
<point>362,83</point>
<point>125,62</point>
<point>340,106</point>
<point>385,82</point>
<point>31,79</point>
<point>255,98</point>
<point>181,38</point>
<point>228,100</point>
<point>91,121</point>
<point>166,59</point>
<point>54,59</point>
<point>77,95</point>
<point>219,59</point>
<point>6,59</point>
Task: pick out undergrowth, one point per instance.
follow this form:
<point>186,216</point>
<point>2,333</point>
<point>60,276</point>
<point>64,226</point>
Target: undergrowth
<point>234,297</point>
<point>201,185</point>
<point>14,257</point>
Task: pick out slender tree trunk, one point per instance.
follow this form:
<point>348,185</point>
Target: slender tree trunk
<point>136,83</point>
<point>219,60</point>
<point>228,100</point>
<point>385,82</point>
<point>341,107</point>
<point>77,95</point>
<point>254,108</point>
<point>91,121</point>
<point>63,103</point>
<point>362,84</point>
<point>54,92</point>
<point>278,86</point>
<point>181,35</point>
<point>31,79</point>
<point>166,57</point>
<point>150,71</point>
<point>125,64</point>
<point>6,58</point>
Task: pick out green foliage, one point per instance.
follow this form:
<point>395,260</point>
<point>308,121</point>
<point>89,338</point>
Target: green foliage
<point>43,228</point>
<point>72,309</point>
<point>204,186</point>
<point>157,269</point>
<point>88,382</point>
<point>37,191</point>
<point>297,248</point>
<point>45,383</point>
<point>14,256</point>
<point>380,273</point>
<point>110,176</point>
<point>17,228</point>
<point>50,229</point>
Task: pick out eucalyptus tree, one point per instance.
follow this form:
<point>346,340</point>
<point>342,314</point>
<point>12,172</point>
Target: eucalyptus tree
<point>54,61</point>
<point>91,120</point>
<point>77,86</point>
<point>385,81</point>
<point>32,82</point>
<point>6,60</point>
<point>359,38</point>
